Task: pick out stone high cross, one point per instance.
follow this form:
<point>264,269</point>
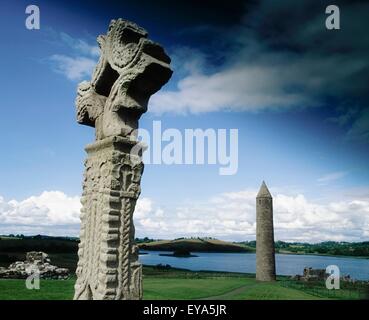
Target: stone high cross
<point>131,68</point>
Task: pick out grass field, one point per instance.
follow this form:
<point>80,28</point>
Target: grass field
<point>182,285</point>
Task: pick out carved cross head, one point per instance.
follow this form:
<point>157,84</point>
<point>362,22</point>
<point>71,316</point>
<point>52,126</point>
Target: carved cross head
<point>131,69</point>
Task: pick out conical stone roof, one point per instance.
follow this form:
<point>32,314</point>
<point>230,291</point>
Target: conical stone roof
<point>264,192</point>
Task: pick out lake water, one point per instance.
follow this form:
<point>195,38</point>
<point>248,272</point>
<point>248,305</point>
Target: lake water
<point>287,264</point>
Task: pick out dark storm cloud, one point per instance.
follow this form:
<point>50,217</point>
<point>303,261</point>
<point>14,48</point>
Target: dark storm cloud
<point>166,16</point>
<point>257,55</point>
<point>340,56</point>
<point>280,56</point>
<point>335,63</point>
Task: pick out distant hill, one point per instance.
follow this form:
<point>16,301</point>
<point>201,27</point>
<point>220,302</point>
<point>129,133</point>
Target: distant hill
<point>38,243</point>
<point>331,248</point>
<point>195,245</point>
<point>14,247</point>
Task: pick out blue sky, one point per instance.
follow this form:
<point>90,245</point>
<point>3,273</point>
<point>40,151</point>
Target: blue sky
<point>296,92</point>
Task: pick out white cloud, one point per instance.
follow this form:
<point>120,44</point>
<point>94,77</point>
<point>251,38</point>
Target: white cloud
<point>253,78</point>
<point>52,212</point>
<point>143,208</point>
<point>79,45</point>
<point>229,216</point>
<point>333,176</point>
<point>232,216</point>
<point>244,85</point>
<point>73,68</point>
<point>255,67</point>
<point>80,64</point>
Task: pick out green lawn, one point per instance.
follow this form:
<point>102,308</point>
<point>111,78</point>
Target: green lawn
<point>49,290</point>
<point>168,289</point>
<point>181,285</point>
<point>162,288</point>
<point>218,286</point>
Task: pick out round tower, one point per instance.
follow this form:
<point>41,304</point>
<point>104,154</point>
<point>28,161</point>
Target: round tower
<point>265,252</point>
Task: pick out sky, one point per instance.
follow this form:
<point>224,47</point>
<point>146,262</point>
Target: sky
<point>297,93</point>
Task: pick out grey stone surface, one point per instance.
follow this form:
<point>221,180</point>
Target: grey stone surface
<point>35,261</point>
<point>131,68</point>
<point>37,256</point>
<point>311,274</point>
<point>265,251</point>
